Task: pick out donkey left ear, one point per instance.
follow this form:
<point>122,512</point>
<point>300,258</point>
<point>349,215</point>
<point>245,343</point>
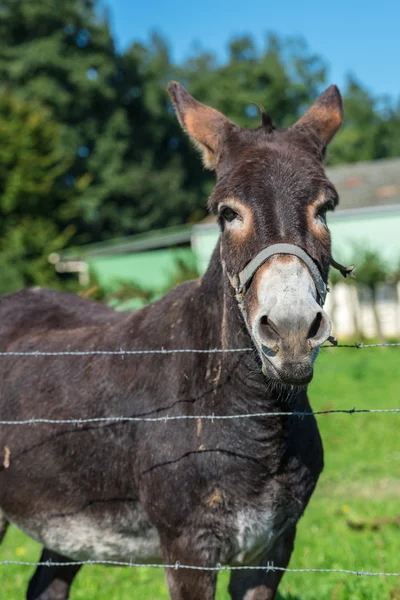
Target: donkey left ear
<point>205,125</point>
<point>325,116</point>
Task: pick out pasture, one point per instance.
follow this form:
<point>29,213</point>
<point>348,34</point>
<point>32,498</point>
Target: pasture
<point>351,522</point>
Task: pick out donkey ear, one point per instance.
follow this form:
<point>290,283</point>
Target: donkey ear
<point>325,116</point>
<point>205,125</point>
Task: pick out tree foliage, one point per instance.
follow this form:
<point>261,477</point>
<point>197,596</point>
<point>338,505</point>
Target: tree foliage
<point>32,161</point>
<point>90,147</point>
<point>371,128</point>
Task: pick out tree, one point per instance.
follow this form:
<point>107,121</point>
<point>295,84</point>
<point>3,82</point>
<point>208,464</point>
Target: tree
<point>62,55</point>
<point>166,183</point>
<point>371,127</point>
<point>372,271</point>
<point>32,162</point>
<point>283,76</point>
<point>113,110</point>
<point>123,165</point>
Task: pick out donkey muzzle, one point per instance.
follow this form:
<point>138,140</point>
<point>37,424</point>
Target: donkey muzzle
<point>286,321</point>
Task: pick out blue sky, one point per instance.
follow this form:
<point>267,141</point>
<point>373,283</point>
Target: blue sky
<point>358,37</point>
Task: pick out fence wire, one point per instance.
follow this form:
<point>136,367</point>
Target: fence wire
<point>126,352</point>
<point>269,567</point>
<point>120,352</point>
<point>293,413</point>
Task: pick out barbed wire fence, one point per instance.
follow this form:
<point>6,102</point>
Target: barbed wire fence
<point>212,417</point>
<point>121,352</point>
<point>269,567</point>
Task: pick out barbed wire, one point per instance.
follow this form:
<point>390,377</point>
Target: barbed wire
<point>211,417</point>
<point>356,346</point>
<point>126,352</point>
<point>269,567</point>
<point>361,346</point>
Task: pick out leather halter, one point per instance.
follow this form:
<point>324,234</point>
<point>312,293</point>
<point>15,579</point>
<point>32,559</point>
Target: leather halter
<point>242,280</point>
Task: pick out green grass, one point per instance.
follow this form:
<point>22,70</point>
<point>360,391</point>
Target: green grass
<point>360,484</point>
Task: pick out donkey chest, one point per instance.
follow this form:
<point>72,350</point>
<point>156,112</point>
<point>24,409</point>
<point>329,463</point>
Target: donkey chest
<point>255,531</point>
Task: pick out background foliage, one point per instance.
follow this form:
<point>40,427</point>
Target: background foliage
<point>90,147</point>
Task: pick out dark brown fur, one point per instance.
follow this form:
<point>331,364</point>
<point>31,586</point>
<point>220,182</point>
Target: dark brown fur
<point>187,479</point>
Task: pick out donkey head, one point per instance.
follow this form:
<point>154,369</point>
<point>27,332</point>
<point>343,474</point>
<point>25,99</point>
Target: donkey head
<point>272,193</point>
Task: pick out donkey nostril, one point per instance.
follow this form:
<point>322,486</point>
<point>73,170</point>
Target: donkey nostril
<point>319,330</point>
<point>268,330</point>
<point>315,325</point>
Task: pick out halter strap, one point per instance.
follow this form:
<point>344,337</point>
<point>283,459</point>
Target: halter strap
<point>247,273</point>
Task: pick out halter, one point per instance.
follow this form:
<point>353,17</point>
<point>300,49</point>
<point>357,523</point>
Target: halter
<point>241,281</point>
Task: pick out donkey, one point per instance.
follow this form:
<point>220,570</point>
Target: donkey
<point>198,491</point>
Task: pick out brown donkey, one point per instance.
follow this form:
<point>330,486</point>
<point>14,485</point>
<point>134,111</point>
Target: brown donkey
<point>196,491</point>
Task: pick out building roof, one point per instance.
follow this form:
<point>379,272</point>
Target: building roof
<point>159,238</point>
<point>367,184</point>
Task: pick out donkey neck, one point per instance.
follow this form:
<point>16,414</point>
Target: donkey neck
<point>204,315</point>
<point>223,312</point>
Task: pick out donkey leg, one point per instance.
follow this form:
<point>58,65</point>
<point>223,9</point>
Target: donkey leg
<point>184,584</point>
<point>190,584</point>
<point>3,526</point>
<point>263,585</point>
<point>51,583</point>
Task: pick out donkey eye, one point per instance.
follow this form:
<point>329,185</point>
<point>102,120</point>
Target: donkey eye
<point>228,214</point>
<point>321,213</point>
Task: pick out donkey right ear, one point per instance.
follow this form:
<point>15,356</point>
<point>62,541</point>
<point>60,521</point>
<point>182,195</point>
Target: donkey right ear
<point>325,116</point>
<point>205,125</point>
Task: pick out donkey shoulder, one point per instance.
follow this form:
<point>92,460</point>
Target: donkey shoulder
<point>41,309</point>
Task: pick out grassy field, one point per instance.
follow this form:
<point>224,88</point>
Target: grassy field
<point>350,522</point>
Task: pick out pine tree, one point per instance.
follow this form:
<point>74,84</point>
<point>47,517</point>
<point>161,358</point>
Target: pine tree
<point>62,55</point>
<point>32,162</point>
